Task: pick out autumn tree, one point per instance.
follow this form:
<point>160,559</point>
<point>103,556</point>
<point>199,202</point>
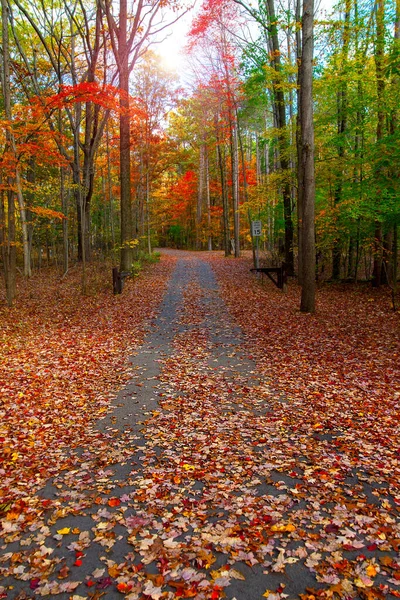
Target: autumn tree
<point>11,155</point>
<point>212,39</point>
<point>265,16</point>
<point>155,89</point>
<point>306,160</point>
<point>62,35</point>
<point>132,29</point>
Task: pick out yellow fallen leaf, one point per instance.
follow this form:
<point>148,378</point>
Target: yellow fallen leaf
<point>267,593</point>
<point>282,527</point>
<point>371,571</point>
<point>12,515</point>
<point>187,467</point>
<point>64,531</point>
<point>278,527</point>
<point>114,571</point>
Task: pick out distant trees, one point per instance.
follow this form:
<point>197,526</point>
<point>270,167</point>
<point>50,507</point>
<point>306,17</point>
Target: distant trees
<point>356,132</point>
<point>45,52</point>
<point>102,155</point>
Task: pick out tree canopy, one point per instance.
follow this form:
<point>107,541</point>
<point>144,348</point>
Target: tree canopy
<point>104,155</point>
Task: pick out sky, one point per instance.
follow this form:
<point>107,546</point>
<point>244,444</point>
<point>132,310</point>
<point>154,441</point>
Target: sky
<point>171,49</point>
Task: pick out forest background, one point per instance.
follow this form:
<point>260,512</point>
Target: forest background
<point>105,156</point>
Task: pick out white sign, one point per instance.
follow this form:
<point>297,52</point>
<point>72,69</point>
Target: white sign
<point>256,228</point>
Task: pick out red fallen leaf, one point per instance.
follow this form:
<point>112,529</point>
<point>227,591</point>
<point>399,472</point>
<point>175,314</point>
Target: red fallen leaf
<point>114,502</point>
<point>34,583</point>
<point>124,588</point>
<point>342,565</point>
<point>348,547</point>
<point>331,528</point>
<point>267,519</point>
<point>78,563</point>
<point>79,554</point>
<point>372,547</point>
<point>216,593</point>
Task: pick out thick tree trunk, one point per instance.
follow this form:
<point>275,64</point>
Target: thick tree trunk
<point>342,110</point>
<point>380,85</point>
<point>280,114</point>
<point>15,180</point>
<point>395,265</point>
<point>109,188</point>
<point>298,148</point>
<point>306,160</point>
<point>125,140</point>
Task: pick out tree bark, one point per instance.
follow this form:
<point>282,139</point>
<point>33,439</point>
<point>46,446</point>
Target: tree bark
<point>15,180</point>
<point>298,149</point>
<point>224,193</point>
<point>235,186</point>
<point>306,159</point>
<point>380,86</point>
<point>280,115</point>
<point>342,110</point>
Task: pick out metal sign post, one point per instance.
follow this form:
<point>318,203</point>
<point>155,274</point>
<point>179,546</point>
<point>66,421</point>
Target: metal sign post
<point>256,230</point>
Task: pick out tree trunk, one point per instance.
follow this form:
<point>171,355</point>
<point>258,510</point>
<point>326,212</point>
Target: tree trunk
<point>207,169</point>
<point>64,204</point>
<point>15,181</point>
<point>306,159</point>
<point>280,114</point>
<point>235,186</point>
<point>109,188</point>
<point>8,246</point>
<point>395,265</point>
<point>380,85</point>
<point>341,130</point>
<point>125,140</point>
<point>200,195</point>
<point>298,148</point>
<point>225,203</point>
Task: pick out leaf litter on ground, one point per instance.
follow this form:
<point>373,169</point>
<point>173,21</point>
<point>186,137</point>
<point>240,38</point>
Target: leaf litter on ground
<point>295,465</point>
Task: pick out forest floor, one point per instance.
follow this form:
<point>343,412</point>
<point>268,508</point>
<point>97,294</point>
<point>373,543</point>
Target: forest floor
<point>251,452</point>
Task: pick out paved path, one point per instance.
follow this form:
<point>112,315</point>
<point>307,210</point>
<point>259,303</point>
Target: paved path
<point>163,505</point>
